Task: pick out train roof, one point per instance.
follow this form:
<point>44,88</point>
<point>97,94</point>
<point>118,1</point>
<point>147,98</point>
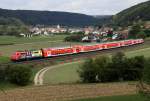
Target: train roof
<point>86,44</point>
<point>70,46</point>
<point>58,47</point>
<point>27,50</point>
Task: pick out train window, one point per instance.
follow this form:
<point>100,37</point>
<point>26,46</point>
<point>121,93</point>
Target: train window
<point>49,52</point>
<point>36,52</point>
<point>23,53</point>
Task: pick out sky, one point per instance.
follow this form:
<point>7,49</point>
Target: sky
<point>90,7</point>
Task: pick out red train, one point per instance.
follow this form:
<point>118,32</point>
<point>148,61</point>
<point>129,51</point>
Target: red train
<point>51,52</point>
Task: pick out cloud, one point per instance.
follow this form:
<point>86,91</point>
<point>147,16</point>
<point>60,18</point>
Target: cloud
<point>92,7</point>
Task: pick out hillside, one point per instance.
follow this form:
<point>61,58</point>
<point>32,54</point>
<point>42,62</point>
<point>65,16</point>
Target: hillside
<point>12,26</point>
<point>135,13</point>
<point>104,19</point>
<point>10,21</point>
<point>31,17</point>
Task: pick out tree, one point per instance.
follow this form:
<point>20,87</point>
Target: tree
<point>147,32</point>
<point>19,75</point>
<point>144,84</point>
<point>146,72</point>
<point>141,34</point>
<point>118,63</point>
<point>2,73</point>
<point>95,70</point>
<point>87,71</point>
<point>134,68</point>
<point>135,30</point>
<point>102,70</point>
<point>74,38</point>
<point>118,68</point>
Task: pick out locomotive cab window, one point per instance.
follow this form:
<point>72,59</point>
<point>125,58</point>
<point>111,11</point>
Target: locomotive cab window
<point>36,52</point>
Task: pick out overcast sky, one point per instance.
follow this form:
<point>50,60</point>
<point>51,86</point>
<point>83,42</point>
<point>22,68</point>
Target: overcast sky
<point>91,7</point>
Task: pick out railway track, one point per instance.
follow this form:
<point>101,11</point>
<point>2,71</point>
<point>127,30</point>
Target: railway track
<point>76,57</point>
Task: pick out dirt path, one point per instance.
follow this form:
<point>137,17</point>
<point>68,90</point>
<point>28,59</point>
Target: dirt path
<point>38,80</point>
<point>67,92</point>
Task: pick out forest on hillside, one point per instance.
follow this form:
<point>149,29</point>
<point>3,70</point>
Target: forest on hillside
<point>140,12</point>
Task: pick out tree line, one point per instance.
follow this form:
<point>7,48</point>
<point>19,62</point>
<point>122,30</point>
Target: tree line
<point>138,32</point>
<point>31,17</point>
<point>114,69</point>
<point>133,14</point>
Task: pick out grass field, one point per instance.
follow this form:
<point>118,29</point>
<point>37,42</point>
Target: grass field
<point>67,73</point>
<point>7,86</point>
<point>19,40</point>
<point>4,59</point>
<point>38,42</point>
<point>145,52</point>
<point>117,98</point>
<point>8,44</point>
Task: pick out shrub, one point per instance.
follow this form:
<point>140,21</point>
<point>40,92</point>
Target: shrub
<point>74,38</point>
<point>2,73</point>
<point>19,75</point>
<point>103,72</point>
<point>95,70</point>
<point>134,30</point>
<point>88,71</point>
<point>118,64</point>
<point>141,34</point>
<point>133,69</point>
<point>146,72</point>
<point>136,66</point>
<point>144,84</point>
<point>147,32</point>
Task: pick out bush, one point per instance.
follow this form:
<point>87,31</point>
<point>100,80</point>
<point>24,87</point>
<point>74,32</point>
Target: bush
<point>144,84</point>
<point>134,30</point>
<point>74,38</point>
<point>96,70</point>
<point>147,32</point>
<point>103,72</point>
<point>134,68</point>
<point>88,71</point>
<point>19,75</point>
<point>141,34</point>
<point>146,72</point>
<point>118,64</point>
<point>2,73</point>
